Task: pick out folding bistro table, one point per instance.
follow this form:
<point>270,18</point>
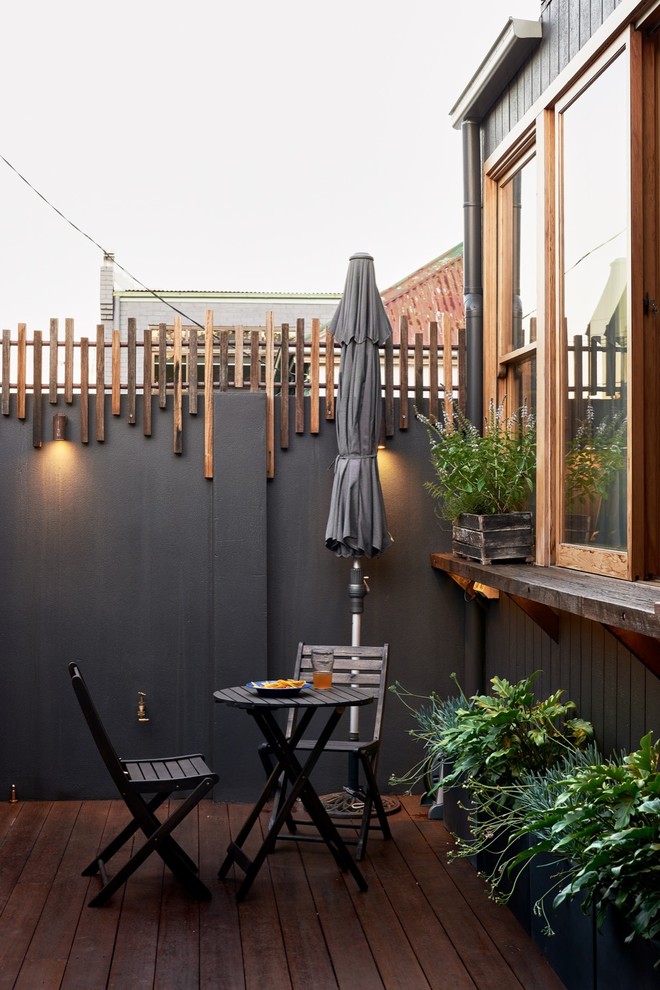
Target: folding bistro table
<point>264,710</point>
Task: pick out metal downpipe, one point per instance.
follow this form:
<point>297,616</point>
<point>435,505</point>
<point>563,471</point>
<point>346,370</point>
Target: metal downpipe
<point>474,646</point>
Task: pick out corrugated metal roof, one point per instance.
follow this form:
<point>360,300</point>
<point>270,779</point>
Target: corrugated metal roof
<point>433,289</point>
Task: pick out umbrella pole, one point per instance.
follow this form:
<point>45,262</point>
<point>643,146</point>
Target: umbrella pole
<point>357,589</point>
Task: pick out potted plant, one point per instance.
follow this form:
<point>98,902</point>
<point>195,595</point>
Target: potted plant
<point>484,482</point>
<point>603,820</point>
<point>491,743</point>
<point>591,834</point>
<point>433,718</point>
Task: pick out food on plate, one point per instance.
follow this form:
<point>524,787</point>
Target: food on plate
<point>283,683</point>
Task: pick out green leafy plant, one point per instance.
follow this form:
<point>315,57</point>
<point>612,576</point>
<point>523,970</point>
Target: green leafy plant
<point>483,474</point>
<point>594,456</point>
<point>504,814</point>
<point>604,823</point>
<point>433,719</point>
<point>509,733</point>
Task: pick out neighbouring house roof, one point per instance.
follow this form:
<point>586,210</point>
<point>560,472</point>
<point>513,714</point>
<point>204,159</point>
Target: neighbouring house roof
<point>430,291</point>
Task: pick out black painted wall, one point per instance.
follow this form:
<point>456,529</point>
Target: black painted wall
<point>123,556</point>
<point>609,685</point>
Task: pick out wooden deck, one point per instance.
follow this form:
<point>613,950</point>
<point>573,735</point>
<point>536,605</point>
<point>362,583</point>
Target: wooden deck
<point>423,922</point>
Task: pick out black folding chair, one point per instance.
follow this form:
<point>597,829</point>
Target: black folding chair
<point>133,779</point>
<point>365,667</point>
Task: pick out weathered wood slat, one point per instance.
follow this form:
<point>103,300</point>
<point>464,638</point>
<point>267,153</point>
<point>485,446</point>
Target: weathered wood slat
<point>84,390</point>
<point>255,368</point>
<point>177,410</point>
<point>433,371</point>
<point>6,365</point>
<point>239,343</point>
<point>116,373</point>
<point>52,358</point>
<point>419,372</point>
<point>270,396</point>
<point>329,376</point>
<point>447,367</point>
<point>300,378</point>
<point>404,412</point>
<point>162,365</point>
<point>37,388</point>
<point>193,371</point>
<point>224,360</point>
<point>315,377</point>
<point>68,360</point>
<point>389,388</point>
<point>284,387</point>
<point>21,371</point>
<point>132,369</point>
<point>208,394</point>
<point>147,381</point>
<point>100,383</point>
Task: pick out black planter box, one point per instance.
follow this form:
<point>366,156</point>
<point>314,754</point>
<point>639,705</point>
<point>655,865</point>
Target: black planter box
<point>624,964</point>
<point>514,885</point>
<point>457,808</point>
<point>570,951</point>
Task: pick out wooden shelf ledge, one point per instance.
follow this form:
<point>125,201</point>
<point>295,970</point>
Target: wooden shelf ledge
<point>630,610</point>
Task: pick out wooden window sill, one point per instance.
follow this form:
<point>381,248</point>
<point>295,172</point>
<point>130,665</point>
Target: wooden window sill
<point>630,610</point>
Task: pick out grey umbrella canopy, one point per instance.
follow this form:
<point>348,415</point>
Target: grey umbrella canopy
<point>357,526</point>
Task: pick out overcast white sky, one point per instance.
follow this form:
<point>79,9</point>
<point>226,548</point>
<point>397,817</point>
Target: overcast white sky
<point>240,146</point>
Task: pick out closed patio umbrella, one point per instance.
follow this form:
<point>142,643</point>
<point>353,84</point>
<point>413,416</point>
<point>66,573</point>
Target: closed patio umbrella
<point>356,521</point>
<point>356,525</point>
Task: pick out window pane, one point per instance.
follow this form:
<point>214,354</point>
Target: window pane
<point>595,276</point>
<point>518,201</point>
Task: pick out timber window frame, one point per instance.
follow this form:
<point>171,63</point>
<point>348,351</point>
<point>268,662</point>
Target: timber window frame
<point>540,137</point>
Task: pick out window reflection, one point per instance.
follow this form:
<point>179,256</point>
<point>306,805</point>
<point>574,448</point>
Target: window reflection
<point>595,283</point>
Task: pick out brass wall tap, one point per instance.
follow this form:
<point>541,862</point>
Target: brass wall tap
<point>142,708</point>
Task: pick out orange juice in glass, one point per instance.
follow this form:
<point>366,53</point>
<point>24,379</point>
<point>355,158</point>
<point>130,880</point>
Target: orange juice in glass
<point>322,663</point>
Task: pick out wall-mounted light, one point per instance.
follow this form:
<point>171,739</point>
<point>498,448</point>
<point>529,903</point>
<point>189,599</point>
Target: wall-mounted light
<point>59,426</point>
<point>382,443</point>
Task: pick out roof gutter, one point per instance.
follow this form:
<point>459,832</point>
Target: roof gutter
<point>512,48</point>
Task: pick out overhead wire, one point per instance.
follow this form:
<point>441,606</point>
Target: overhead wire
<point>99,246</point>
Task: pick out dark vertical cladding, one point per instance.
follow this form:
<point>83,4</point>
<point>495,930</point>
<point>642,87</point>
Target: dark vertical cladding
<point>473,283</point>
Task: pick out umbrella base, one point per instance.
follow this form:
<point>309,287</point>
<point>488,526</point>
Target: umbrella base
<point>343,804</point>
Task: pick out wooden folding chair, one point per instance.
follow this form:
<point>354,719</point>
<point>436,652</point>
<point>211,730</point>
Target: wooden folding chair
<point>365,667</point>
<point>134,779</point>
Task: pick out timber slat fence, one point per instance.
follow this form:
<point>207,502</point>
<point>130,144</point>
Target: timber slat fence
<point>175,360</point>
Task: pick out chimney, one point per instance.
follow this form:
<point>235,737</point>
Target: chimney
<point>107,289</point>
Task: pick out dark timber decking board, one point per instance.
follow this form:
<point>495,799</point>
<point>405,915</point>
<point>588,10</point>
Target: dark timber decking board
<point>422,924</point>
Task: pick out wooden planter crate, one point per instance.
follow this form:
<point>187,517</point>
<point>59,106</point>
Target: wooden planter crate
<point>500,536</point>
